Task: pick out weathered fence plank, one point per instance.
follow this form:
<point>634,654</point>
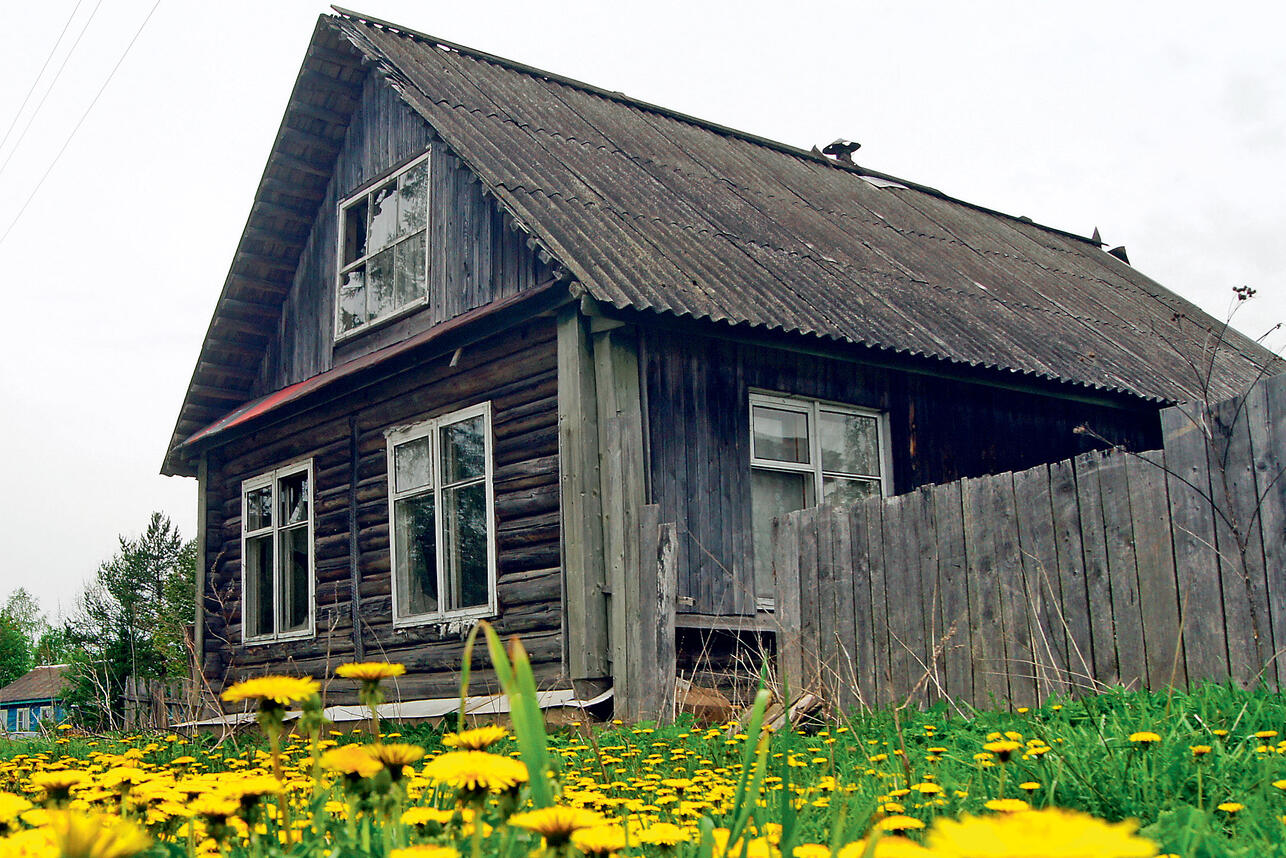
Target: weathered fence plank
<point>1196,560</point>
<point>827,651</point>
<point>786,573</point>
<point>874,510</point>
<point>989,683</point>
<point>1019,663</point>
<point>1122,569</point>
<point>902,600</point>
<point>845,572</point>
<point>1040,573</point>
<point>1154,559</point>
<point>1098,590</point>
<point>931,587</point>
<point>1266,417</point>
<point>1071,574</point>
<point>954,600</point>
<point>863,624</point>
<point>808,573</point>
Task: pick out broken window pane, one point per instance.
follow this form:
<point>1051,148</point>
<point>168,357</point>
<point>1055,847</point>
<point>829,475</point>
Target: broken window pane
<point>352,299</point>
<point>417,559</point>
<point>379,285</point>
<point>384,216</point>
<point>850,443</point>
<point>780,434</point>
<point>258,583</point>
<point>464,534</point>
<point>258,509</point>
<point>410,271</point>
<point>293,567</point>
<point>843,490</point>
<point>355,231</point>
<point>414,193</point>
<point>463,451</point>
<point>411,463</point>
<point>292,494</point>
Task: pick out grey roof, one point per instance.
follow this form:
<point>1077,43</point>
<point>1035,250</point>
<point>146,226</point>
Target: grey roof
<point>48,682</point>
<point>653,210</point>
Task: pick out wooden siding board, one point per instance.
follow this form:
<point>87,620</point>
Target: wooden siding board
<point>954,595</point>
<point>1071,574</point>
<point>990,686</point>
<point>1040,574</point>
<point>845,585</point>
<point>1122,563</point>
<point>874,514</point>
<point>809,632</point>
<point>900,581</point>
<point>863,623</point>
<point>1154,556</point>
<point>1097,586</point>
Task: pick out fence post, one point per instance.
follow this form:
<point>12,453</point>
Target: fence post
<point>790,644</point>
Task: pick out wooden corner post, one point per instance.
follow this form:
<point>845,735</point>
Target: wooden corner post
<point>585,629</point>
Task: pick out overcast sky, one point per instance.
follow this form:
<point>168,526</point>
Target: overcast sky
<point>1163,124</point>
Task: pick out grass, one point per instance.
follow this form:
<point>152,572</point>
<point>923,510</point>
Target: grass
<point>825,784</point>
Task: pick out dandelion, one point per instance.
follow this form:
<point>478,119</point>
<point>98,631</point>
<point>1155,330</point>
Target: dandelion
<point>1002,748</point>
<point>601,840</point>
<point>556,824</point>
<point>1029,787</point>
<point>477,739</point>
<point>1051,833</point>
<point>352,761</point>
<point>899,823</point>
<point>1230,807</point>
<point>475,773</point>
<point>664,834</point>
<point>1199,750</point>
<point>811,850</point>
<point>885,847</point>
<point>95,835</point>
<point>1007,805</point>
<point>57,785</point>
<point>1266,734</point>
<point>369,674</point>
<point>278,691</point>
<point>425,850</point>
<point>395,757</point>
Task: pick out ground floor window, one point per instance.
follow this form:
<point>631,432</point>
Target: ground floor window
<point>23,720</point>
<point>804,452</point>
<point>277,554</point>
<point>442,514</point>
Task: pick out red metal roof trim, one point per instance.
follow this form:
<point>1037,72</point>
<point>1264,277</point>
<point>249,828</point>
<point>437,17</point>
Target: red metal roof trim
<point>265,404</point>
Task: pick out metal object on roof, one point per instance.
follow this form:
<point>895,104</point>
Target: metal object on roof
<point>842,150</point>
<point>653,210</point>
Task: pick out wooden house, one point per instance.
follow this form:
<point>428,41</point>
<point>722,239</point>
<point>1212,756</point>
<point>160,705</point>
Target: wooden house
<point>33,700</point>
<point>483,316</point>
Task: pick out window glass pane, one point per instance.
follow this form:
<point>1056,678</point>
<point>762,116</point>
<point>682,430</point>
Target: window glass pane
<point>379,285</point>
<point>464,525</point>
<point>293,566</point>
<point>463,450</point>
<point>414,191</point>
<point>352,299</point>
<point>258,584</point>
<point>772,494</point>
<point>411,462</point>
<point>384,218</point>
<point>841,490</point>
<point>850,443</point>
<point>416,561</point>
<point>410,279</point>
<point>780,434</point>
<point>258,509</point>
<point>292,494</point>
<point>355,231</point>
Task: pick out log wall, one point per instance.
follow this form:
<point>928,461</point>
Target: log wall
<point>345,439</point>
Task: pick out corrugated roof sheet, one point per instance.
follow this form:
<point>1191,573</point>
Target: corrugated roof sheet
<point>652,210</point>
<point>47,682</point>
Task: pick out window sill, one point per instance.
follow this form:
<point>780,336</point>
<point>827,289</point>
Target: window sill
<point>356,333</point>
<point>271,639</point>
<point>448,621</point>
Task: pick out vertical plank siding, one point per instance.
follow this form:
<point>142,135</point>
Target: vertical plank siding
<point>1110,568</point>
<point>516,372</point>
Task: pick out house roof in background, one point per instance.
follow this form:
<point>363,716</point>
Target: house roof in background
<point>651,210</point>
<point>48,682</point>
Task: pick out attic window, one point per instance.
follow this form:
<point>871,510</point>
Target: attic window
<point>383,255</point>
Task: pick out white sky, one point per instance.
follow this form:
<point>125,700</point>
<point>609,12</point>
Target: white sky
<point>1164,124</point>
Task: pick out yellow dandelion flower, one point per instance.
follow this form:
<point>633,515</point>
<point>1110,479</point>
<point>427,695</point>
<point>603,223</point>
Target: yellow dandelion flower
<point>1144,737</point>
<point>664,834</point>
<point>1029,786</point>
<point>600,840</point>
<point>927,788</point>
<point>1007,805</point>
<point>477,739</point>
<point>885,847</point>
<point>1280,784</point>
<point>370,671</point>
<point>1051,833</point>
<point>215,807</point>
<point>556,824</point>
<point>424,850</point>
<point>424,815</point>
<point>1002,748</point>
<point>1266,734</point>
<point>11,806</point>
<point>279,690</point>
<point>811,850</point>
<point>96,835</point>
<point>899,822</point>
<point>396,755</point>
<point>1231,806</point>
<point>476,771</point>
<point>353,761</point>
<point>1199,750</point>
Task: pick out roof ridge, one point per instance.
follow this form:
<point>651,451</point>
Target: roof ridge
<point>750,137</point>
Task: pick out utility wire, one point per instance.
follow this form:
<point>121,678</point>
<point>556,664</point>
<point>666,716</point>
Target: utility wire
<point>58,41</point>
<point>32,118</point>
<point>79,123</point>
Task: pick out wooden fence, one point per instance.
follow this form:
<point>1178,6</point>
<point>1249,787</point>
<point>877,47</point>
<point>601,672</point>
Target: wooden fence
<point>151,704</point>
<point>1110,568</point>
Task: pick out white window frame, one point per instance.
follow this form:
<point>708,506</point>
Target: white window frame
<point>341,268</point>
<point>22,722</point>
<point>813,408</point>
<point>431,428</point>
<point>272,478</point>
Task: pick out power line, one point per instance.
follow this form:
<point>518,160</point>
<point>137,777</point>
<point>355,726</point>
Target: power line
<point>58,41</point>
<point>32,118</point>
<point>79,122</point>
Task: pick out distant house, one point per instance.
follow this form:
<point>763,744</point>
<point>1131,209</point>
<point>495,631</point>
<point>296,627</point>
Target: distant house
<point>482,315</point>
<point>33,699</point>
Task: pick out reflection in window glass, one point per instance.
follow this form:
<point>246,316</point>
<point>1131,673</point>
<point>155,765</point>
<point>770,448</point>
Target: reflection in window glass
<point>443,552</point>
<point>277,555</point>
<point>780,434</point>
<point>294,573</point>
<point>383,267</point>
<point>258,584</point>
<point>850,443</point>
<point>845,490</point>
<point>772,494</point>
<point>259,509</point>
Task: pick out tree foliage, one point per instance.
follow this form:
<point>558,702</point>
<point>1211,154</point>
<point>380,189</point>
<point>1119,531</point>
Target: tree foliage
<point>21,625</point>
<point>132,620</point>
